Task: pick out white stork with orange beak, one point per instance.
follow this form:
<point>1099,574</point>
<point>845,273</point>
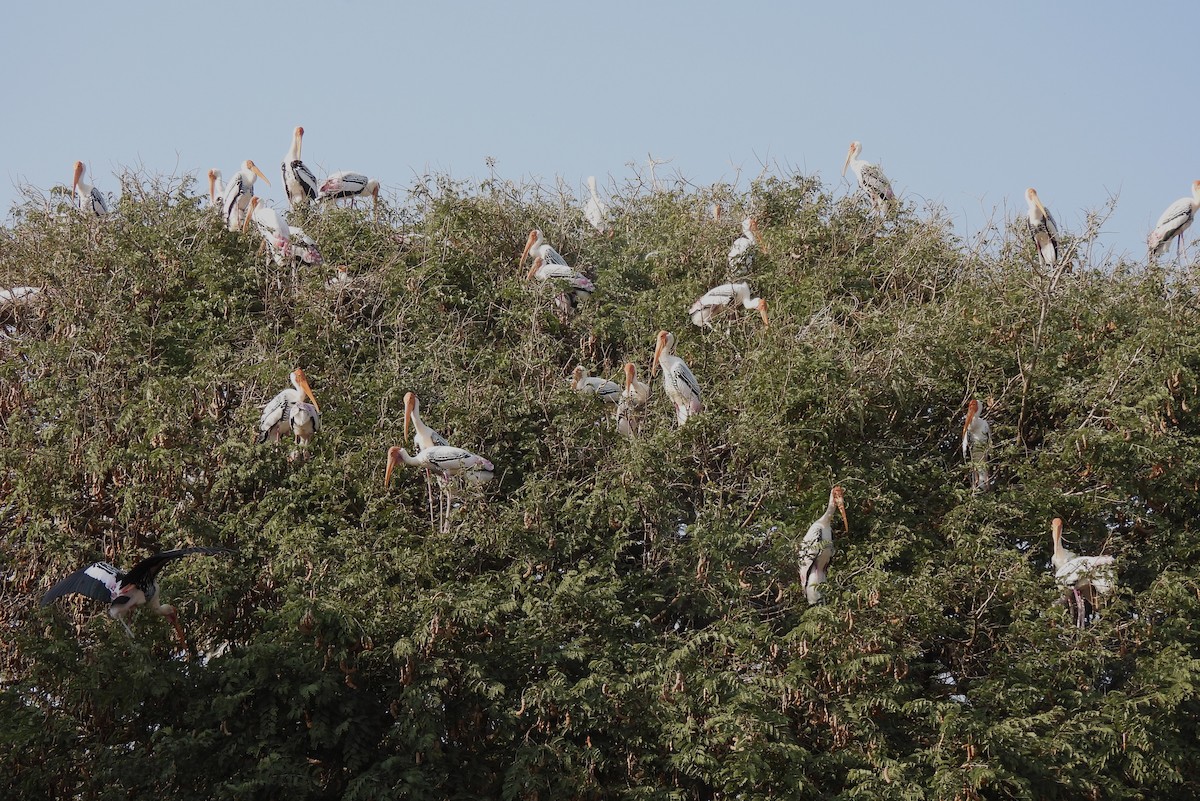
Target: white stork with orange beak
<point>678,382</point>
<point>273,228</point>
<point>350,185</point>
<point>1042,229</point>
<point>870,179</point>
<point>633,398</point>
<point>89,197</point>
<point>1173,222</point>
<point>445,461</point>
<point>1087,577</point>
<point>238,192</point>
<point>298,180</point>
<point>720,298</point>
<point>976,442</point>
<point>276,419</point>
<point>425,437</point>
<point>602,388</point>
<point>549,266</point>
<point>816,549</point>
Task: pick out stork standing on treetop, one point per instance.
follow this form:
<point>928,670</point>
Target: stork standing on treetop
<point>89,197</point>
<point>125,592</point>
<point>723,297</point>
<point>870,179</point>
<point>678,382</point>
<point>350,185</point>
<point>298,180</point>
<point>425,437</point>
<point>976,442</point>
<point>816,549</point>
<point>1087,577</point>
<point>238,192</point>
<point>594,209</point>
<point>1042,229</point>
<point>1173,222</point>
<point>602,388</point>
<point>445,461</point>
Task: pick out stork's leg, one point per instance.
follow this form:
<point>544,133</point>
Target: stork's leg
<point>429,494</point>
<point>1078,607</point>
<point>125,623</point>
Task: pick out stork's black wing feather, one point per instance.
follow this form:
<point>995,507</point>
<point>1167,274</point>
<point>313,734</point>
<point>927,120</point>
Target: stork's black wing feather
<point>83,582</point>
<point>148,568</point>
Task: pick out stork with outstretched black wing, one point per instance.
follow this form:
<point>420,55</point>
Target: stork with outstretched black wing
<point>125,592</point>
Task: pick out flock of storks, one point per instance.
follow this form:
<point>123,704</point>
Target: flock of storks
<point>295,411</point>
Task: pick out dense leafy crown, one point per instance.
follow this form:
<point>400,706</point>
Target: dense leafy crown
<point>608,618</point>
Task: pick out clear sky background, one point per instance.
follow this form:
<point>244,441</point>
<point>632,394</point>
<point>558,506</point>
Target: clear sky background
<point>962,104</point>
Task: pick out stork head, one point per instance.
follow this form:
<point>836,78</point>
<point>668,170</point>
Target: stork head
<point>1196,193</point>
<point>252,167</point>
<point>630,374</point>
<point>1031,197</point>
<point>972,413</point>
<point>577,375</point>
<point>852,153</point>
<point>838,498</point>
<point>78,176</point>
<point>372,189</point>
<point>411,406</point>
<point>664,344</point>
<point>534,236</point>
<point>300,382</point>
<point>762,312</point>
<point>395,456</point>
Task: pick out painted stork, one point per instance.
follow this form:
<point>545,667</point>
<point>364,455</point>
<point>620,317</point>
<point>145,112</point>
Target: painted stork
<point>816,549</point>
<point>349,185</point>
<point>304,247</point>
<point>1087,577</point>
<point>633,398</point>
<point>271,225</point>
<point>444,461</point>
<point>125,592</point>
<point>602,388</point>
<point>216,189</point>
<point>276,420</point>
<point>549,266</point>
<point>426,437</point>
<point>238,192</point>
<point>721,298</point>
<point>1173,222</point>
<point>741,252</point>
<point>1042,229</point>
<point>305,422</point>
<point>89,197</point>
<point>298,180</point>
<point>976,442</point>
<point>870,179</point>
<point>678,382</point>
<point>594,209</point>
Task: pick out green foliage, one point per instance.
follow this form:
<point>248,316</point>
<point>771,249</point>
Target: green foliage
<point>609,617</point>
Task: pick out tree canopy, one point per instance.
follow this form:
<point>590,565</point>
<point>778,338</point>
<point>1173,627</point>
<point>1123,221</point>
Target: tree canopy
<point>609,617</point>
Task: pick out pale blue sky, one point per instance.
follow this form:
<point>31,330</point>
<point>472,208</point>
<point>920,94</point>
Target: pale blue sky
<point>963,104</point>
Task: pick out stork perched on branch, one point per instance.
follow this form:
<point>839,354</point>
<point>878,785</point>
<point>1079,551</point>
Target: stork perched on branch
<point>125,592</point>
<point>721,298</point>
<point>89,197</point>
<point>680,385</point>
<point>1087,577</point>
<point>871,180</point>
<point>1042,229</point>
<point>298,180</point>
<point>976,442</point>
<point>634,398</point>
<point>816,549</point>
<point>1173,222</point>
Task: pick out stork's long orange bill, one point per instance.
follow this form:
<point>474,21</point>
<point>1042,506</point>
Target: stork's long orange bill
<point>302,380</point>
<point>528,246</point>
<point>393,458</point>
